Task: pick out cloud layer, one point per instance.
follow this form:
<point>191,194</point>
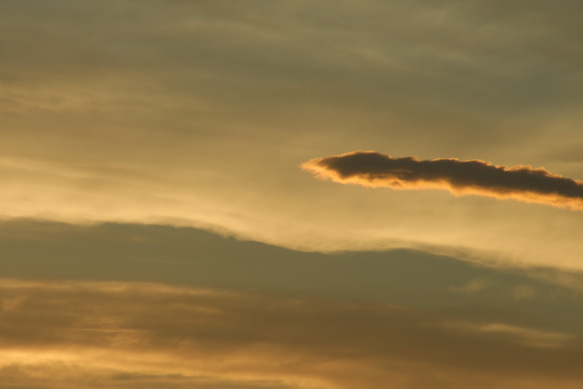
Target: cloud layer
<point>145,335</point>
<point>523,183</point>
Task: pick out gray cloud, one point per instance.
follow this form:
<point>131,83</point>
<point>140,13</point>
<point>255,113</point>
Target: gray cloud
<point>521,183</point>
<point>187,256</point>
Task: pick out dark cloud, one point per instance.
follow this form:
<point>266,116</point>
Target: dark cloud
<point>523,183</point>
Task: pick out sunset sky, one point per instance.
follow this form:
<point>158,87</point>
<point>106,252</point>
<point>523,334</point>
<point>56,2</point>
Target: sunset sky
<point>291,194</point>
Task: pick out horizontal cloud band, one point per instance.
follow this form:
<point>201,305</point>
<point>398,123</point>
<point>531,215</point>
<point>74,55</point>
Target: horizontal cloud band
<point>523,183</point>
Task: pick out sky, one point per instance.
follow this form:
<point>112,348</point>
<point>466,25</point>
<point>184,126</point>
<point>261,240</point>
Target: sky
<point>291,194</point>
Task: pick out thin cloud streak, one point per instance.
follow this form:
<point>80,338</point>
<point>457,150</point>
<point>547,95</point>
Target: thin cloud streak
<point>522,183</point>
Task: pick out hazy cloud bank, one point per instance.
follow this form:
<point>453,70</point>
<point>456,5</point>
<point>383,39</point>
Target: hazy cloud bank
<point>136,335</point>
<point>522,183</point>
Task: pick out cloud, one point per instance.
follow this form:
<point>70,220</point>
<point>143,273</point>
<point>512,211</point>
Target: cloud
<point>137,335</point>
<point>522,183</point>
<point>472,286</point>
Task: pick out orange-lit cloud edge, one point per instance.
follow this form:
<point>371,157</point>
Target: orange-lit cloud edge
<point>475,177</point>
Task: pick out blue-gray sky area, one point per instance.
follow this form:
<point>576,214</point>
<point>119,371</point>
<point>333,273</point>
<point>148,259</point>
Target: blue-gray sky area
<point>159,228</point>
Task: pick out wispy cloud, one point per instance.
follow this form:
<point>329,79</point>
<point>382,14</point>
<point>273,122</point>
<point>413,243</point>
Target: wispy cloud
<point>522,183</point>
<point>137,335</point>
